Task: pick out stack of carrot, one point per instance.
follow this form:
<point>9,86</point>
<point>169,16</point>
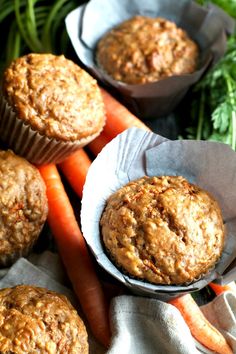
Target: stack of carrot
<point>62,221</point>
<point>73,249</point>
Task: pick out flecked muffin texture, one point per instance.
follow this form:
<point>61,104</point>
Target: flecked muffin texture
<point>163,230</point>
<point>23,206</point>
<point>36,320</point>
<point>142,50</point>
<point>54,96</point>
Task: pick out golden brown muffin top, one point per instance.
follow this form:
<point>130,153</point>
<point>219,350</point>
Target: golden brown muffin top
<point>55,96</point>
<point>36,320</point>
<point>144,49</point>
<point>163,230</point>
<point>23,203</point>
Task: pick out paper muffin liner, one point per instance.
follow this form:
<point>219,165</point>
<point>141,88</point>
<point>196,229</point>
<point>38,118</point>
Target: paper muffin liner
<point>136,153</point>
<point>207,26</point>
<point>32,145</point>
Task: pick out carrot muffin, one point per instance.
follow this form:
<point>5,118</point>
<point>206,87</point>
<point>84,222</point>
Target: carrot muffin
<point>36,320</point>
<point>55,98</point>
<point>163,230</point>
<point>143,49</point>
<point>23,206</point>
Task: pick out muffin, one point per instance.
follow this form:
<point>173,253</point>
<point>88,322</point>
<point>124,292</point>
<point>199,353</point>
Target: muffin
<point>143,50</point>
<point>49,107</point>
<point>163,230</point>
<point>36,320</point>
<point>23,206</point>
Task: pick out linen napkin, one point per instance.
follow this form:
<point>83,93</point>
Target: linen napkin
<point>139,325</point>
<point>148,326</point>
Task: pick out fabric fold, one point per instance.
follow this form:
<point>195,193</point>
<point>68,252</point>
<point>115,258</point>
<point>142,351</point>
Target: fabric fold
<point>143,325</point>
<point>221,312</point>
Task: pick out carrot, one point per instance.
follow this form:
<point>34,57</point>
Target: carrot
<point>199,326</point>
<point>119,118</point>
<point>75,256</point>
<point>219,289</point>
<point>98,143</point>
<point>75,168</point>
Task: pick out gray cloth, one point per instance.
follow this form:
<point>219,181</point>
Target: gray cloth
<point>24,272</point>
<point>139,325</point>
<point>148,326</point>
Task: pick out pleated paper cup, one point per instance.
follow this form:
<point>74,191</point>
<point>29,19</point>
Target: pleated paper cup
<point>135,153</point>
<point>32,145</point>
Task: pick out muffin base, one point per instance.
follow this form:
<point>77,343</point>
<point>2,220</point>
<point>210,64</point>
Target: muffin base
<point>30,144</point>
<point>8,259</point>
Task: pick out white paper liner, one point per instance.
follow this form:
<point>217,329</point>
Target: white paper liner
<point>207,26</point>
<point>136,153</point>
<point>30,144</point>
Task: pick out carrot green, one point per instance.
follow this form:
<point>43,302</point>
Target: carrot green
<point>213,100</point>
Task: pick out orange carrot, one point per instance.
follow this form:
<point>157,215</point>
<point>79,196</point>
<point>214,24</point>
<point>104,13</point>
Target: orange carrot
<point>219,289</point>
<point>98,143</point>
<point>75,256</point>
<point>75,168</point>
<point>199,326</point>
<point>119,117</point>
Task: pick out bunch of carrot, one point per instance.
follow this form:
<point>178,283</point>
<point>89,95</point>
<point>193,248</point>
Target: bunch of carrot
<point>64,226</point>
<point>73,249</point>
<point>75,255</point>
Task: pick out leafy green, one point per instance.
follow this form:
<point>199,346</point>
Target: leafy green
<point>213,103</point>
<point>33,26</point>
<point>220,117</point>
